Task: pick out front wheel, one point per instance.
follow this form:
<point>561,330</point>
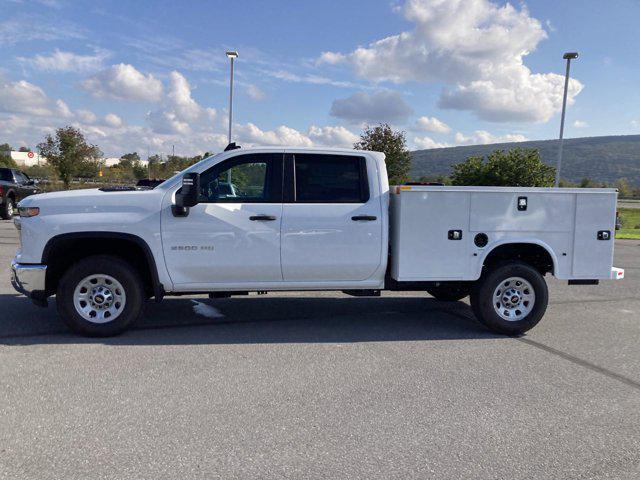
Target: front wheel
<point>511,298</point>
<point>100,296</point>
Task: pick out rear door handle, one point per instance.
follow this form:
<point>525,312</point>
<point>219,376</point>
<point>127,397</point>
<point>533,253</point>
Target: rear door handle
<point>262,218</point>
<point>364,218</point>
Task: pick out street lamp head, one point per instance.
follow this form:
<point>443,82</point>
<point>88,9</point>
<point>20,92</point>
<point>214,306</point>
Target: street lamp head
<point>570,55</point>
<point>234,54</point>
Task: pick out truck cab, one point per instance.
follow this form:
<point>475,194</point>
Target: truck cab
<point>273,219</point>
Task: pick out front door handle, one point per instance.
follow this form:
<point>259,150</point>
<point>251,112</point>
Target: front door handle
<point>262,218</point>
<point>364,218</point>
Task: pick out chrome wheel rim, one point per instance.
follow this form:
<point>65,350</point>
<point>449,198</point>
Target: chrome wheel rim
<point>99,298</point>
<point>513,299</point>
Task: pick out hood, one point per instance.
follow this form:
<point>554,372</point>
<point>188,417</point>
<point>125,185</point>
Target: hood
<point>93,200</point>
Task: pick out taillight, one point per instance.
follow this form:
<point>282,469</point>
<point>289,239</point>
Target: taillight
<point>1,191</point>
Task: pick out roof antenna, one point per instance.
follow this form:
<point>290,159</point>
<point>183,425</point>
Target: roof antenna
<point>232,146</point>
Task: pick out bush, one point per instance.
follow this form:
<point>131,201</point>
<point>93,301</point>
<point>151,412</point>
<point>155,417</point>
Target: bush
<point>517,167</point>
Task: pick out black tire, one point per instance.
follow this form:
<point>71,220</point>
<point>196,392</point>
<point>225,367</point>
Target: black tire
<point>6,212</point>
<point>119,270</point>
<point>449,291</point>
<point>483,299</point>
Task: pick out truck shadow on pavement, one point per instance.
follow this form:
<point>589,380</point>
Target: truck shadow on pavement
<point>308,319</point>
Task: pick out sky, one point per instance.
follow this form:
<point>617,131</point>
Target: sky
<point>151,76</point>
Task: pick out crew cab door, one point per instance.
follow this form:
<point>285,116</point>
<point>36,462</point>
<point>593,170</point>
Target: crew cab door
<point>332,218</point>
<point>232,236</point>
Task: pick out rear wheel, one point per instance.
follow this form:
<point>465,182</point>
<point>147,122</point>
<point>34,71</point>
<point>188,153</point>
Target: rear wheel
<point>511,298</point>
<point>6,212</point>
<point>100,296</point>
<point>449,291</point>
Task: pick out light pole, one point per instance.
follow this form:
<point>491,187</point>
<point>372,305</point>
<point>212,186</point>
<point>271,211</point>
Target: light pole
<point>568,57</point>
<point>231,55</point>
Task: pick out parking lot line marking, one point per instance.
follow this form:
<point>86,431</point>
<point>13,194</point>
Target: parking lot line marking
<point>571,358</point>
<point>581,362</point>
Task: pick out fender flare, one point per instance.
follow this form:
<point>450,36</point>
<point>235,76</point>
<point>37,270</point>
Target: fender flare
<point>158,288</point>
<point>531,241</point>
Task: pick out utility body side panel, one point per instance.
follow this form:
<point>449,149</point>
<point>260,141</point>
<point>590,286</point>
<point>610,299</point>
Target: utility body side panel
<point>565,222</point>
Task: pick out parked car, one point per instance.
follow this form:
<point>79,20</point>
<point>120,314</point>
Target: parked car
<point>149,183</point>
<point>279,219</point>
<point>14,186</point>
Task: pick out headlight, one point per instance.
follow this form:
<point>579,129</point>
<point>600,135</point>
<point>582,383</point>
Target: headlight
<point>27,212</point>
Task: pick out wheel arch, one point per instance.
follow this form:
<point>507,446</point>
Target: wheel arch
<point>531,251</point>
<point>61,251</point>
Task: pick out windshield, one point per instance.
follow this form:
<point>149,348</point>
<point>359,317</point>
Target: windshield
<point>170,181</point>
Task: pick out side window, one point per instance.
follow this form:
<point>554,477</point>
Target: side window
<point>5,175</point>
<point>253,178</point>
<point>330,179</point>
<point>21,178</point>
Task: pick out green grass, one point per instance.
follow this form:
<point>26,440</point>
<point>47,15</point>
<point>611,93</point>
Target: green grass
<point>630,219</point>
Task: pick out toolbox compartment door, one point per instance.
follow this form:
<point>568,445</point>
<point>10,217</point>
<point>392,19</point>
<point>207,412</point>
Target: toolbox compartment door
<point>593,257</point>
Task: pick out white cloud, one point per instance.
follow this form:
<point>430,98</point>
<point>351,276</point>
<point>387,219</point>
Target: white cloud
<point>482,137</point>
<point>332,136</point>
<point>25,98</point>
<point>332,58</point>
<point>432,124</point>
<point>428,142</point>
<point>62,109</point>
<point>124,82</point>
<point>36,28</point>
<point>60,61</point>
<point>86,116</point>
<point>477,48</point>
<point>254,92</point>
<point>180,113</point>
<point>517,96</point>
<point>580,124</point>
<point>308,78</point>
<point>279,136</point>
<point>27,114</point>
<point>635,123</point>
<point>113,120</point>
<point>382,106</point>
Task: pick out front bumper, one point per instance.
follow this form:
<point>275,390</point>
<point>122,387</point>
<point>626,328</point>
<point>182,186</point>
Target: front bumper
<point>28,279</point>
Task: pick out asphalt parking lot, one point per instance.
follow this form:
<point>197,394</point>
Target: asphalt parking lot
<point>325,386</point>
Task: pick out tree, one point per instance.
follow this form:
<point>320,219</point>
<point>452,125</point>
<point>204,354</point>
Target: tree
<point>70,154</point>
<point>587,183</point>
<point>517,167</point>
<point>5,156</point>
<point>624,189</point>
<point>131,157</point>
<point>382,138</point>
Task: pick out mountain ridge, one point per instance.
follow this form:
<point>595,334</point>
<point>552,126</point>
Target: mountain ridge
<point>602,159</point>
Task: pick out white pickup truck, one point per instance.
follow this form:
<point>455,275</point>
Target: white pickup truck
<point>273,219</point>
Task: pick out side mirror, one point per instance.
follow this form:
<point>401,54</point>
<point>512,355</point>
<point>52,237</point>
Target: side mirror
<point>188,195</point>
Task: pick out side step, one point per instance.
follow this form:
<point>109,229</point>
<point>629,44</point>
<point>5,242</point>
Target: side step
<point>362,293</point>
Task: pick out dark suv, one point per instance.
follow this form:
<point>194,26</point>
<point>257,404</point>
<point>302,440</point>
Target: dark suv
<point>14,186</point>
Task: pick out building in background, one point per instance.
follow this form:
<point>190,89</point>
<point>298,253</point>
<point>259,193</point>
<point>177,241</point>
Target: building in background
<point>25,159</point>
<point>111,161</point>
